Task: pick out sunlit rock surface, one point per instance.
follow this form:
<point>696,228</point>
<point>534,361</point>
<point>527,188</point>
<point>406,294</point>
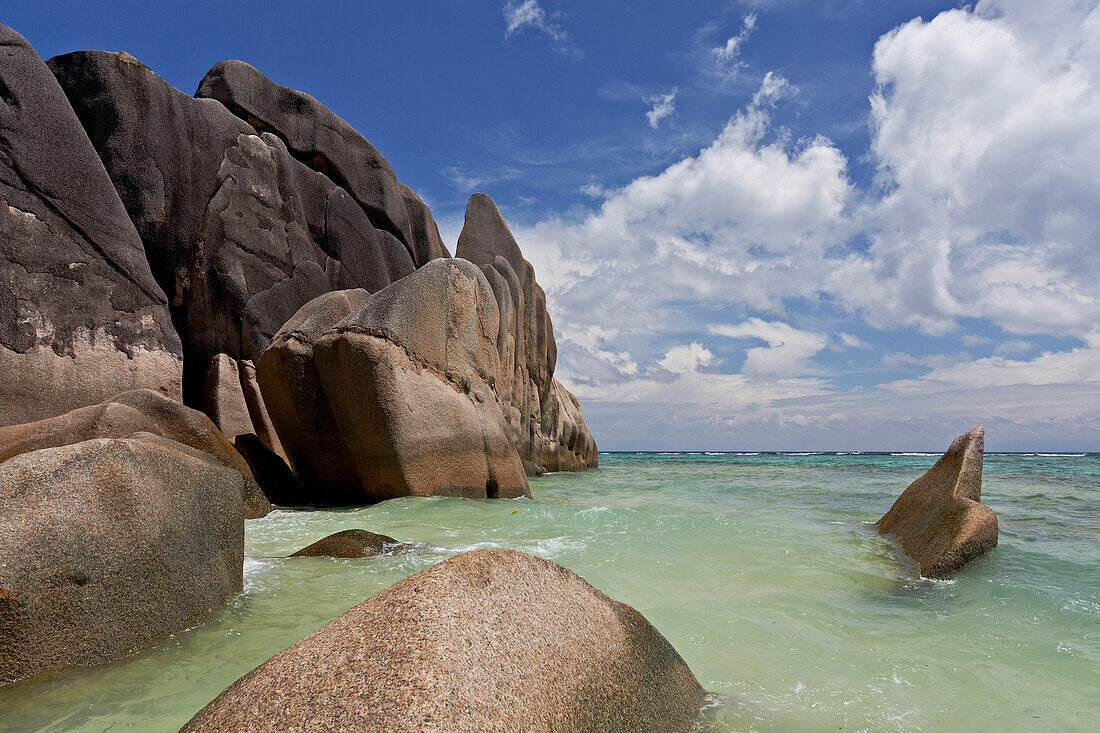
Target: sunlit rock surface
<point>940,520</point>
<point>491,640</point>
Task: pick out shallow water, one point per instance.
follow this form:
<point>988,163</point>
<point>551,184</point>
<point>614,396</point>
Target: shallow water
<point>758,568</point>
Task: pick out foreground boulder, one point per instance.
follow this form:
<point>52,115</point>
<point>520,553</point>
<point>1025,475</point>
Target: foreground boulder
<point>940,520</point>
<point>108,544</point>
<point>491,640</point>
<point>351,543</point>
<point>397,387</point>
<point>130,413</point>
<point>81,316</point>
<point>544,419</point>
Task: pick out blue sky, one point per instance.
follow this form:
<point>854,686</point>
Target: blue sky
<point>783,224</point>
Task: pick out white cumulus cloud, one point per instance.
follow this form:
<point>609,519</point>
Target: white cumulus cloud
<point>986,141</point>
<point>746,220</point>
<point>986,133</point>
<point>788,349</point>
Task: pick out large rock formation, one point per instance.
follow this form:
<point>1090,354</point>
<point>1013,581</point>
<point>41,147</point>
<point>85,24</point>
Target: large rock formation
<point>940,520</point>
<point>81,316</point>
<point>108,544</point>
<point>492,640</point>
<point>126,415</point>
<point>544,419</point>
<point>404,378</point>
<point>218,218</point>
<point>238,231</point>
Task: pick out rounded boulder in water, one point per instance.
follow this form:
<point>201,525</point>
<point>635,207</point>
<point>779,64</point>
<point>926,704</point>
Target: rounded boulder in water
<point>488,641</point>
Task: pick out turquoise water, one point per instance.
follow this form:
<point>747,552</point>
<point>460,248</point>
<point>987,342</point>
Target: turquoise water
<point>758,568</point>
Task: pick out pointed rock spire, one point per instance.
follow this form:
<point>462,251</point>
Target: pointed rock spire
<point>940,520</point>
<point>549,431</point>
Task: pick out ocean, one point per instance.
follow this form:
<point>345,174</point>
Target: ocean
<point>758,567</point>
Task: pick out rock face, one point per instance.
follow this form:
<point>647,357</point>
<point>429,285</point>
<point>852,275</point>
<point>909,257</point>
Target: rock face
<point>315,135</point>
<point>350,543</point>
<point>223,398</point>
<point>404,380</point>
<point>81,316</point>
<point>492,640</point>
<point>298,406</point>
<point>108,544</point>
<point>427,244</point>
<point>544,419</point>
<point>126,415</point>
<point>940,520</point>
<point>239,232</point>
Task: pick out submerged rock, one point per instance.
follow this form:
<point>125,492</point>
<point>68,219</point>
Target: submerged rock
<point>108,544</point>
<point>351,543</point>
<point>81,316</point>
<point>406,375</point>
<point>491,640</point>
<point>544,419</point>
<point>130,413</point>
<point>940,520</point>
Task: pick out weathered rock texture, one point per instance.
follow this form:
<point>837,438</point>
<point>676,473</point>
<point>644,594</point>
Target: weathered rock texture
<point>427,244</point>
<point>223,398</point>
<point>298,406</point>
<point>351,543</point>
<point>317,136</point>
<point>81,316</point>
<point>492,640</point>
<point>108,544</point>
<point>544,419</point>
<point>940,520</point>
<point>404,380</point>
<point>239,232</point>
<point>130,413</point>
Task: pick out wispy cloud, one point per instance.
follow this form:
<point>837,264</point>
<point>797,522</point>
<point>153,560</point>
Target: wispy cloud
<point>728,54</point>
<point>773,88</point>
<point>851,341</point>
<point>468,180</point>
<point>519,16</point>
<point>661,106</point>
